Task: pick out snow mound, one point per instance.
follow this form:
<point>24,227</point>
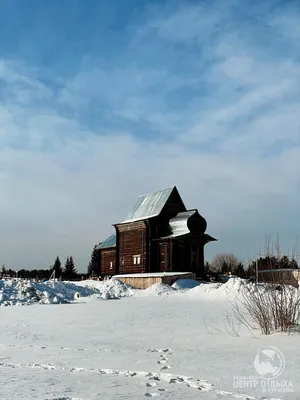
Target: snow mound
<point>115,289</point>
<point>185,284</point>
<point>231,289</point>
<point>159,289</point>
<point>21,292</point>
<point>110,289</point>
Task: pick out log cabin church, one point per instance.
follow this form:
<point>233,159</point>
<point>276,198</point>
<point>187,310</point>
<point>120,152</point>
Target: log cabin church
<point>159,234</point>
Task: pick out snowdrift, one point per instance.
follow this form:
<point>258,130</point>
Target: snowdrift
<point>110,289</point>
<point>218,291</point>
<point>206,291</point>
<point>185,284</point>
<point>115,288</point>
<point>158,289</point>
<point>20,292</point>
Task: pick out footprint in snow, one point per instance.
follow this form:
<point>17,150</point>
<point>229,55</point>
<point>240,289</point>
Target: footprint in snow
<point>164,367</point>
<point>163,358</point>
<point>151,384</point>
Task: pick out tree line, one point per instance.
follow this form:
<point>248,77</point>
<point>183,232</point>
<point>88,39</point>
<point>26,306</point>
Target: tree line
<point>66,272</point>
<point>224,263</point>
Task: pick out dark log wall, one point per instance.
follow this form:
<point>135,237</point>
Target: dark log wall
<point>201,259</point>
<point>153,264</point>
<point>177,255</point>
<point>165,255</point>
<point>181,255</point>
<point>154,260</point>
<point>132,241</point>
<point>174,255</point>
<point>108,256</point>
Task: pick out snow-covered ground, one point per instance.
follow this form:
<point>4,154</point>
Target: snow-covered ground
<point>120,343</point>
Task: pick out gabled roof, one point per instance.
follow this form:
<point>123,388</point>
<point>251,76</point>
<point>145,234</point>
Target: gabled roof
<point>149,205</point>
<point>107,243</point>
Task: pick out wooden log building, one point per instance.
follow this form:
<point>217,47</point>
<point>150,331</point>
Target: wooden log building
<point>159,234</point>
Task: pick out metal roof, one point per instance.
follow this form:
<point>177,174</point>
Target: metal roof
<point>149,205</point>
<point>179,224</point>
<point>109,242</point>
<point>207,238</point>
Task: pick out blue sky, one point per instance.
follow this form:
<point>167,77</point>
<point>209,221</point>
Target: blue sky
<point>102,101</point>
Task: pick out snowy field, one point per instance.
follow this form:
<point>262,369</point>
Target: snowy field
<point>118,343</point>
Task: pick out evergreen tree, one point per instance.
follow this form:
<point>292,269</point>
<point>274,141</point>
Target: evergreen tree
<point>272,262</point>
<point>293,264</point>
<point>57,268</point>
<point>94,267</point>
<point>239,271</point>
<point>70,271</point>
<point>286,262</point>
<point>66,268</point>
<point>3,270</point>
<point>250,271</point>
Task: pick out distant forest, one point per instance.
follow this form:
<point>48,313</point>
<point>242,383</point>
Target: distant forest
<point>66,272</point>
<point>220,264</point>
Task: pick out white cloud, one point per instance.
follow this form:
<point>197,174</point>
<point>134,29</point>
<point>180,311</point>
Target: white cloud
<point>227,134</point>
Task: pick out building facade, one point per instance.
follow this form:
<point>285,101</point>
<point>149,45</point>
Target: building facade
<point>159,234</point>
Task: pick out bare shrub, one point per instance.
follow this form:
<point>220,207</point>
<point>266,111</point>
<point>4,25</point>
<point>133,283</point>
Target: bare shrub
<point>271,306</point>
<point>231,327</point>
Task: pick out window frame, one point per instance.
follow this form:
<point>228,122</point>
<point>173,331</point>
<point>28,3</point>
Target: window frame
<point>137,258</point>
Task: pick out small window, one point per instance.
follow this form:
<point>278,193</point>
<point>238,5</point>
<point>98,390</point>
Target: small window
<point>122,261</point>
<point>137,260</point>
<point>111,265</point>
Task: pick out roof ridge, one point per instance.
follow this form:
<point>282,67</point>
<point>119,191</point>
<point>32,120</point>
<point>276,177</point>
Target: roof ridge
<point>158,191</point>
<point>149,205</point>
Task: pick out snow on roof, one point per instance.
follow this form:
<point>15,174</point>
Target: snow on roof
<point>109,242</point>
<point>179,224</point>
<point>149,205</point>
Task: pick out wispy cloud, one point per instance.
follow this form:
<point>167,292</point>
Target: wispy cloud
<point>204,96</point>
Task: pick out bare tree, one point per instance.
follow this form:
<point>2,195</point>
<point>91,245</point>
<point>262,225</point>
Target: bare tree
<point>225,262</point>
